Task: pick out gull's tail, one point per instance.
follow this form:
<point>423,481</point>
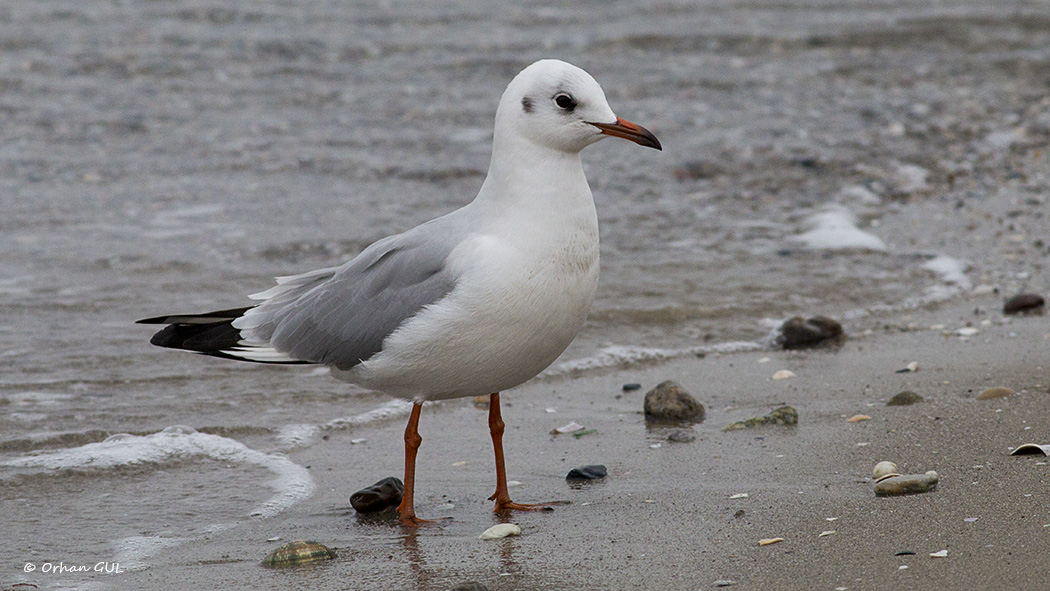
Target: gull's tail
<point>213,334</point>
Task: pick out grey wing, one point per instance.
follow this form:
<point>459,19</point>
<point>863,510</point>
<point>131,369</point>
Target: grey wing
<point>340,316</point>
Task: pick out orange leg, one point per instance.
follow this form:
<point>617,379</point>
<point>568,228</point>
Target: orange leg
<point>412,441</point>
<point>502,498</point>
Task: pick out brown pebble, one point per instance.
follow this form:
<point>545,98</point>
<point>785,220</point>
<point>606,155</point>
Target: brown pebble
<point>1025,303</point>
<point>670,401</point>
<point>798,333</point>
<point>904,398</point>
<point>997,392</point>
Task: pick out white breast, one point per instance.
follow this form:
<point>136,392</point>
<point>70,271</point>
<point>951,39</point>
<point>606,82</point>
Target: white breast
<point>519,303</point>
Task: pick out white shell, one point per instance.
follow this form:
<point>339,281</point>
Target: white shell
<point>884,469</point>
<point>500,531</point>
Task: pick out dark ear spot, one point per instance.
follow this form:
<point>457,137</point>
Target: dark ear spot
<point>526,104</point>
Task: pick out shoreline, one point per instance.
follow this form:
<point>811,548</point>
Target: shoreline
<point>663,518</point>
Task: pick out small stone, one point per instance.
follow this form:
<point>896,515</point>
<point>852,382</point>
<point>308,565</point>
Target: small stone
<point>482,402</point>
<point>723,583</point>
<point>631,387</point>
<point>1025,303</point>
<point>785,415</point>
<point>906,484</point>
<point>799,333</point>
<point>997,392</point>
<point>298,552</point>
<point>783,374</point>
<point>385,493</point>
<point>593,472</point>
<point>501,530</point>
<point>470,586</point>
<point>904,398</point>
<point>967,331</point>
<point>670,401</point>
<point>682,436</point>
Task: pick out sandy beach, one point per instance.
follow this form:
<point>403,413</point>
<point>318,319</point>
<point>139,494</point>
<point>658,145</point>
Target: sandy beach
<point>664,517</point>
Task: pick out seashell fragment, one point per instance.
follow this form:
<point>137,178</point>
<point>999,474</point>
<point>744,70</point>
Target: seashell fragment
<point>572,426</point>
<point>906,484</point>
<point>941,554</point>
<point>997,392</point>
<point>783,374</point>
<point>858,418</point>
<point>768,541</point>
<point>1031,449</point>
<point>501,530</point>
<point>967,331</point>
<point>827,533</point>
<point>298,552</point>
<point>884,469</point>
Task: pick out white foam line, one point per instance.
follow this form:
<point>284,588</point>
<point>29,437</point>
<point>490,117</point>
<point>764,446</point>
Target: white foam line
<point>619,356</point>
<point>295,435</point>
<point>292,484</point>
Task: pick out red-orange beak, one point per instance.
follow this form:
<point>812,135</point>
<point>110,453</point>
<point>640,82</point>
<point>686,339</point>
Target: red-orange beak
<point>629,131</point>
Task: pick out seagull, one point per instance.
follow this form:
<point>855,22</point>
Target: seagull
<point>471,303</point>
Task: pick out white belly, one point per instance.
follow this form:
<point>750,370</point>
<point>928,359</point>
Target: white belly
<point>513,312</point>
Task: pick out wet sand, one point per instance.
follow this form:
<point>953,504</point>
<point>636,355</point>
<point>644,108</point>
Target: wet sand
<point>663,518</point>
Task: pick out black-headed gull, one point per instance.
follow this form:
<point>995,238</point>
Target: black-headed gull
<point>471,303</point>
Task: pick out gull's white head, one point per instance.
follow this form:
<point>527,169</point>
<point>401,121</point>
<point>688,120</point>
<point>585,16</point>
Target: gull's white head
<point>559,106</point>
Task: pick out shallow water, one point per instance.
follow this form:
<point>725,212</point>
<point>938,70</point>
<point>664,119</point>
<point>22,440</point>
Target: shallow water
<point>162,157</point>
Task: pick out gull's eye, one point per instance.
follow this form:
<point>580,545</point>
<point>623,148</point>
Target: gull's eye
<point>565,101</point>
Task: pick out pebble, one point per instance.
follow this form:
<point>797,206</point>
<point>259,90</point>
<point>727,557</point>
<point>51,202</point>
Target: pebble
<point>723,583</point>
<point>799,333</point>
<point>631,387</point>
<point>670,401</point>
<point>785,415</point>
<point>906,484</point>
<point>385,493</point>
<point>298,552</point>
<point>1024,303</point>
<point>993,393</point>
<point>967,331</point>
<point>501,530</point>
<point>783,374</point>
<point>593,472</point>
<point>682,436</point>
<point>904,398</point>
<point>470,586</point>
